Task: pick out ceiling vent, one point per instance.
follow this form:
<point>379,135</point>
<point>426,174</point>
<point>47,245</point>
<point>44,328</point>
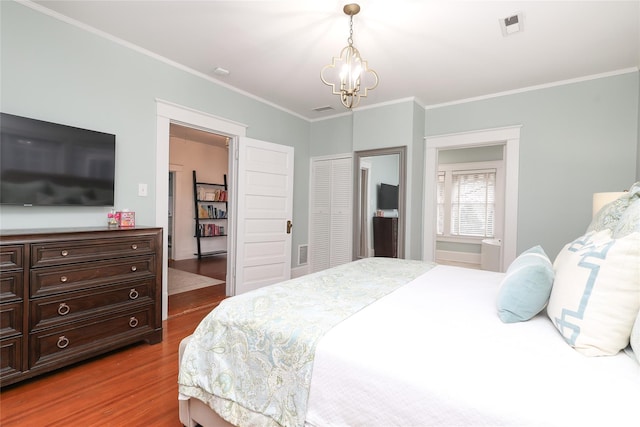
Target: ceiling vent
<point>325,108</point>
<point>219,71</point>
<point>511,24</point>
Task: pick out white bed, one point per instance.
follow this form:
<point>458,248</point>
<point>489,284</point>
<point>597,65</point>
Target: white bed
<point>434,352</point>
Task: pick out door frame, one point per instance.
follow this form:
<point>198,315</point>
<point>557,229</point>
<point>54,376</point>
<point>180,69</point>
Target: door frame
<point>167,113</point>
<point>510,138</point>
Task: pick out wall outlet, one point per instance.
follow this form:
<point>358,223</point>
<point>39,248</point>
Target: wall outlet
<point>142,190</point>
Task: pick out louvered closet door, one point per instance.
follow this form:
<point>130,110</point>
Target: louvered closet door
<point>331,212</point>
<point>320,221</point>
<point>341,211</point>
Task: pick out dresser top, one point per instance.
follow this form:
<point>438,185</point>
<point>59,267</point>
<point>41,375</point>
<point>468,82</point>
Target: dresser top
<point>71,230</point>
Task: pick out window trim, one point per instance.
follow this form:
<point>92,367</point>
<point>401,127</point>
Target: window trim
<point>509,137</point>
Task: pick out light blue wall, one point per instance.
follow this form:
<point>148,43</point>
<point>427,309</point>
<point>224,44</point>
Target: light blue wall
<point>57,72</point>
<point>576,139</point>
<point>384,126</point>
<point>391,125</point>
<point>416,162</point>
<point>331,136</point>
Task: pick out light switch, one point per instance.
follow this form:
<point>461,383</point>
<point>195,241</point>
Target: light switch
<point>142,190</point>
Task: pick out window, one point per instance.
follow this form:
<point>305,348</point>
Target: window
<point>466,200</point>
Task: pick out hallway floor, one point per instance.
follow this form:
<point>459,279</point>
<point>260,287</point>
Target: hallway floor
<point>215,267</point>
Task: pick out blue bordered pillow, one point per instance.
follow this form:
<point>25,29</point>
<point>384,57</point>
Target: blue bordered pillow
<point>525,289</point>
<point>596,292</point>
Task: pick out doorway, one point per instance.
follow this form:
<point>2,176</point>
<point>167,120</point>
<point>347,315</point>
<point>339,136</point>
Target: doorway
<point>167,113</point>
<point>192,280</point>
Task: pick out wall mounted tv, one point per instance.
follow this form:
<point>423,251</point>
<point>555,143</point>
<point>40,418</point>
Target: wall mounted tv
<point>387,196</point>
<point>49,164</point>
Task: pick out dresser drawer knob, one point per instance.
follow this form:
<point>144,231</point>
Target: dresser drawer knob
<point>64,279</point>
<point>133,322</point>
<point>63,342</point>
<point>63,309</point>
<point>133,294</point>
<point>134,268</point>
<point>134,246</point>
<point>64,252</point>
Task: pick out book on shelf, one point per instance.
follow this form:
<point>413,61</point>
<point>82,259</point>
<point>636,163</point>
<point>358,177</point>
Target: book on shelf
<point>212,195</point>
<point>210,230</point>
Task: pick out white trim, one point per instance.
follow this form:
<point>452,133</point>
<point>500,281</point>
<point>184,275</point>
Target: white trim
<point>369,107</point>
<point>331,157</point>
<point>536,87</point>
<point>167,113</point>
<point>129,45</point>
<point>300,271</point>
<point>455,256</point>
<point>132,46</point>
<point>510,138</point>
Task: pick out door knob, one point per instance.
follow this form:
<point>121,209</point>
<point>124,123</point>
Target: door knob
<point>289,226</point>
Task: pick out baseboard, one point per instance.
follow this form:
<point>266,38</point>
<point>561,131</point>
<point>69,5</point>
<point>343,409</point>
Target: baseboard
<point>461,257</point>
<point>299,271</point>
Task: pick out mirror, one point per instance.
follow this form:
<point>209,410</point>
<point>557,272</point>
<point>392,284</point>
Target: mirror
<point>379,185</point>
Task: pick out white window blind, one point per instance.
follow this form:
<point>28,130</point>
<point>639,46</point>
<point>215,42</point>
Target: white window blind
<point>473,203</point>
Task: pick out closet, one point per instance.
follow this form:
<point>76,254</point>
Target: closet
<point>331,211</point>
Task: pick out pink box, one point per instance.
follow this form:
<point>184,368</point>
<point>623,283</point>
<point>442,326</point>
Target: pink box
<point>126,219</point>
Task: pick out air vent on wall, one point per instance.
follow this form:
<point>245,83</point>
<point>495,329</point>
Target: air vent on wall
<point>511,24</point>
<point>302,254</point>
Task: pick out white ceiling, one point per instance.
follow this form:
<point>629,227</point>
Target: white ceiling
<point>436,51</point>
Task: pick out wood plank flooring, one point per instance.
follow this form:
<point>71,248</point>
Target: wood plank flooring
<point>215,267</point>
<point>134,386</point>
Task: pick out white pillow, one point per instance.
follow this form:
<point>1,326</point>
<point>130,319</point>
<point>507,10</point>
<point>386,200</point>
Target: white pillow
<point>596,292</point>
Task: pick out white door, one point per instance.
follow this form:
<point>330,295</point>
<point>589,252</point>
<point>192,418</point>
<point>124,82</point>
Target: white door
<point>331,212</point>
<point>264,215</point>
<point>320,213</point>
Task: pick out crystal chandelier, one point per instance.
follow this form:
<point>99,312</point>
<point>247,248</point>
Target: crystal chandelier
<point>349,71</point>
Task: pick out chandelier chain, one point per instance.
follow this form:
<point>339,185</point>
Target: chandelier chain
<point>350,39</point>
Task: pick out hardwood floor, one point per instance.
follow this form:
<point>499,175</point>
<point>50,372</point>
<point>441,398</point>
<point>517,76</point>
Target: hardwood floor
<point>134,386</point>
<point>215,267</point>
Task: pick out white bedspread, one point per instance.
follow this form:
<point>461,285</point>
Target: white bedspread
<point>435,353</point>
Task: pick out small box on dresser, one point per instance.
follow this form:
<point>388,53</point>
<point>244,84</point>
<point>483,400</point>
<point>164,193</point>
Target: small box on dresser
<point>71,294</point>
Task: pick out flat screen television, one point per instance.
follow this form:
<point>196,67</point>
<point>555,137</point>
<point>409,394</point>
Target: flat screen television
<point>388,196</point>
<point>49,164</point>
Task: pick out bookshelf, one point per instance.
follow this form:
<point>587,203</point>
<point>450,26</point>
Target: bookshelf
<point>210,201</point>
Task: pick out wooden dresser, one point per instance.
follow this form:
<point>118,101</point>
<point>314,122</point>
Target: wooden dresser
<point>70,294</point>
<point>385,237</point>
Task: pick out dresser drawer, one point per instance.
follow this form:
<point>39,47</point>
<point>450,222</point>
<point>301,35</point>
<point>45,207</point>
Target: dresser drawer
<point>11,285</point>
<point>76,342</point>
<point>11,257</point>
<point>10,319</point>
<point>72,251</point>
<point>73,306</point>
<point>53,280</point>
<point>10,358</point>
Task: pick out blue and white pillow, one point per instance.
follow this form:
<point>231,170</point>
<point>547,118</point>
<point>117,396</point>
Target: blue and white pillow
<point>629,221</point>
<point>609,216</point>
<point>525,289</point>
<point>635,338</point>
<point>596,292</point>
